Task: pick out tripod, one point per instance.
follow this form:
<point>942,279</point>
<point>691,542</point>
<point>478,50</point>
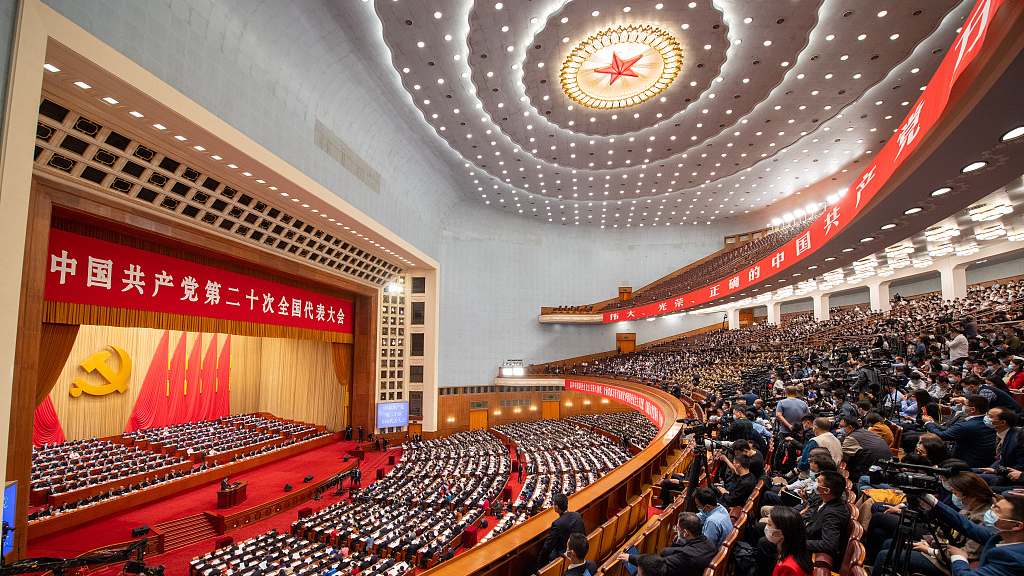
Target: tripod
<point>697,465</point>
<point>897,561</point>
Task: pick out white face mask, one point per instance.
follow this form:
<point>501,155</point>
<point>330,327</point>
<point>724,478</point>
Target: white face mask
<point>774,535</point>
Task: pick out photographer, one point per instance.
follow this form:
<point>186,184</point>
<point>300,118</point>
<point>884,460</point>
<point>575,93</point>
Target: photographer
<point>741,428</point>
<point>843,408</point>
<point>737,490</point>
<point>1002,551</point>
<point>861,448</point>
<point>957,345</point>
<point>973,441</point>
<point>973,498</point>
<point>867,377</point>
<point>789,411</point>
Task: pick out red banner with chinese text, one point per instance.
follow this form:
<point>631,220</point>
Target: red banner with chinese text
<point>83,270</point>
<point>628,397</point>
<point>922,117</point>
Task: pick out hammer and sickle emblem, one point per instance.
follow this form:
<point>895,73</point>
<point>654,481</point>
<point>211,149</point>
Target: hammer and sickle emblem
<point>115,380</point>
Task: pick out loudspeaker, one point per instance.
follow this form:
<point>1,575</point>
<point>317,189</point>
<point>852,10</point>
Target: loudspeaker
<point>287,487</point>
<point>140,531</point>
<point>307,479</point>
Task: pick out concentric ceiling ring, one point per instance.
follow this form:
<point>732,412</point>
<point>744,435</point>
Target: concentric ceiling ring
<point>595,76</point>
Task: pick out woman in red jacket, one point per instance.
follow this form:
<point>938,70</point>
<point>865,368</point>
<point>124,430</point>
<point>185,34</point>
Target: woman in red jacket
<point>786,530</point>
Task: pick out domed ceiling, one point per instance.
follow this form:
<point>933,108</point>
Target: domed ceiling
<point>620,114</point>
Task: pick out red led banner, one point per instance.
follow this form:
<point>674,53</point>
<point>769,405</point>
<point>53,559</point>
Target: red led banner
<point>83,270</point>
<point>628,397</point>
<point>923,116</point>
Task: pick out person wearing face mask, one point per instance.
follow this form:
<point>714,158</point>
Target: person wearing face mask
<point>715,518</point>
<point>576,556</point>
<point>787,532</point>
<point>1001,537</point>
<point>995,396</point>
<point>823,438</point>
<point>973,441</point>
<point>973,498</point>
<point>691,552</point>
<point>1009,451</point>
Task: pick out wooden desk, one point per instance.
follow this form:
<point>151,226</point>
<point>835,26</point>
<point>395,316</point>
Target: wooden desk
<point>232,496</point>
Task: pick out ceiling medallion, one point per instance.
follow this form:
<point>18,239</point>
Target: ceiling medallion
<point>621,66</point>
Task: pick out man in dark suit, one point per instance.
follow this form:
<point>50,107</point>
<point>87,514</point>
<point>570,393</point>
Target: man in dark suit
<point>1009,451</point>
<point>566,524</point>
<point>691,551</point>
<point>973,441</point>
<point>224,484</point>
<point>576,556</point>
<point>826,525</point>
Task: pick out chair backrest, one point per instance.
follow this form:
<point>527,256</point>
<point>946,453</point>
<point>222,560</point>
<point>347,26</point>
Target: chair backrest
<point>553,568</point>
<point>855,530</point>
<point>717,562</point>
<point>594,539</point>
<point>855,553</point>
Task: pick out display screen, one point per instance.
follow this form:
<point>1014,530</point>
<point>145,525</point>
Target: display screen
<point>10,499</point>
<point>392,414</point>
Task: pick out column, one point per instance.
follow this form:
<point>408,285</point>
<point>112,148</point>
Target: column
<point>954,280</point>
<point>774,312</point>
<point>820,307</point>
<point>878,294</point>
<point>734,318</point>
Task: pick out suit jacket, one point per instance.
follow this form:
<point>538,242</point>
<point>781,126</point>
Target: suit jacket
<point>740,488</point>
<point>1011,452</point>
<point>995,560</point>
<point>558,536</point>
<point>973,442</point>
<point>826,529</point>
<point>588,566</point>
<point>691,558</point>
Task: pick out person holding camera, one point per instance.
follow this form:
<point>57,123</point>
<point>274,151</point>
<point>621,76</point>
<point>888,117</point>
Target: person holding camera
<point>973,441</point>
<point>867,377</point>
<point>1001,537</point>
<point>973,499</point>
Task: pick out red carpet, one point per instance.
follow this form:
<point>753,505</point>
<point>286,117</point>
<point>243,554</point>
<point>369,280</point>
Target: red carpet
<point>265,484</point>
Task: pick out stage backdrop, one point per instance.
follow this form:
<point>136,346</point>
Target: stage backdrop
<point>292,379</point>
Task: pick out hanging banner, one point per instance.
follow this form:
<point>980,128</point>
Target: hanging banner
<point>627,397</point>
<point>83,270</point>
<point>922,117</point>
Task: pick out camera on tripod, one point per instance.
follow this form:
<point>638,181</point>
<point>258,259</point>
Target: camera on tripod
<point>910,478</point>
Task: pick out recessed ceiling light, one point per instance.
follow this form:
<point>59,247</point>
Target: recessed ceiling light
<point>246,173</point>
<point>942,191</point>
<point>215,157</point>
<point>868,239</point>
<point>200,148</point>
<point>82,85</point>
<point>438,15</point>
<point>595,13</point>
<point>110,100</point>
<point>974,166</point>
<point>159,126</point>
<point>830,258</point>
<point>888,226</point>
<point>180,138</point>
<point>913,210</point>
<point>232,166</point>
<point>894,36</point>
<point>1015,133</point>
<point>862,36</point>
<point>51,67</point>
<point>136,114</point>
<point>847,249</point>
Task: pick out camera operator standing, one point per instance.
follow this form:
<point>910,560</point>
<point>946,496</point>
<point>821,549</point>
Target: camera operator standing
<point>867,378</point>
<point>957,344</point>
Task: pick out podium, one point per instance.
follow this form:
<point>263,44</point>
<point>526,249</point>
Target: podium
<point>232,496</point>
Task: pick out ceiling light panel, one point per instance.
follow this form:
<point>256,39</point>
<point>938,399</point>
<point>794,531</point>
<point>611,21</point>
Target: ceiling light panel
<point>727,124</point>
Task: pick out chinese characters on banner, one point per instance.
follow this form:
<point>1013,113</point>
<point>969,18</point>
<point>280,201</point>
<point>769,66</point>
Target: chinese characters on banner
<point>922,117</point>
<point>628,397</point>
<point>83,270</point>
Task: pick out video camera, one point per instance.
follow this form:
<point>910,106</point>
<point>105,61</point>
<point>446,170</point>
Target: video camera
<point>910,478</point>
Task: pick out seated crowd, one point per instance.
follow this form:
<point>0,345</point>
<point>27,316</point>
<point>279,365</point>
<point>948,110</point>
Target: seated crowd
<point>831,431</point>
<point>204,438</point>
<point>633,426</point>
<point>82,473</point>
<point>273,553</point>
<point>272,425</point>
<point>464,469</point>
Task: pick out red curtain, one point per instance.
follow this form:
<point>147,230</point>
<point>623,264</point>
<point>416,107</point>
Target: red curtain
<point>208,382</point>
<point>191,391</point>
<point>46,428</point>
<point>223,404</point>
<point>176,411</point>
<point>152,400</point>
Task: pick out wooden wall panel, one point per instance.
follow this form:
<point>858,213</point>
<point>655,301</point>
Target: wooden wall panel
<point>456,408</point>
